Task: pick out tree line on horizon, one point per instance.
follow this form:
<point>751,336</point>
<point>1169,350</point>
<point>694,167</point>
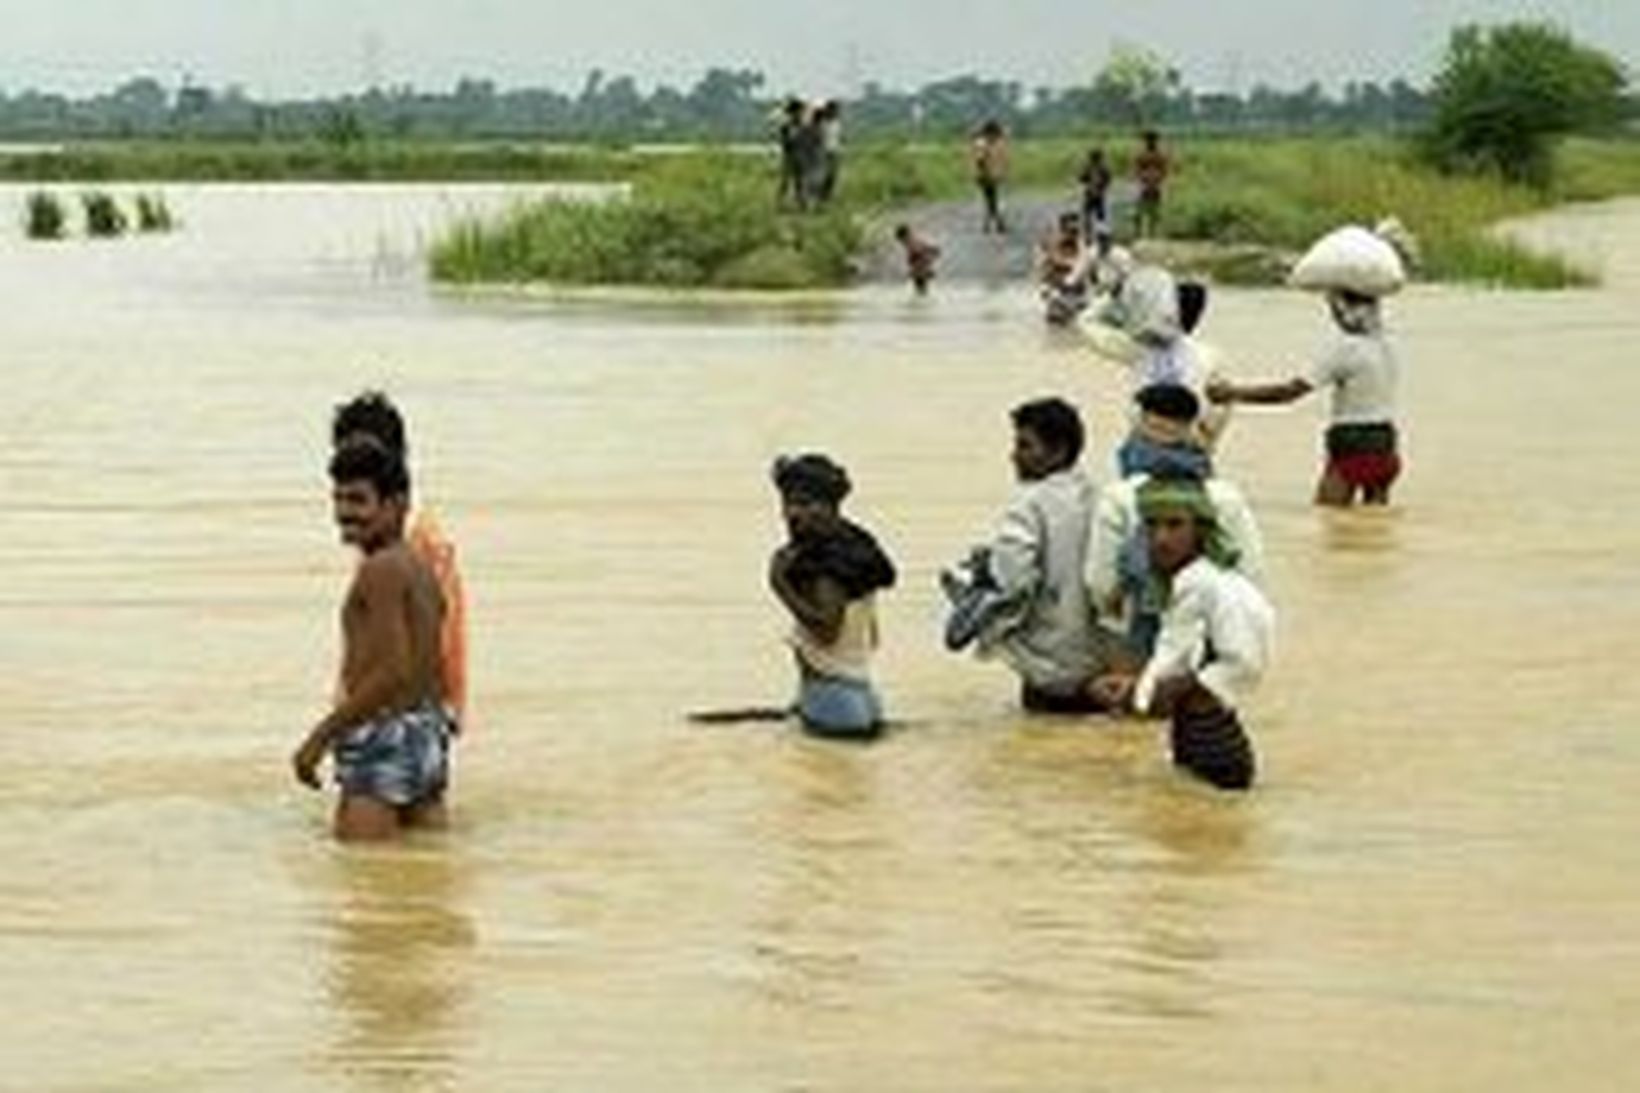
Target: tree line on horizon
<point>1503,98</point>
<point>724,104</point>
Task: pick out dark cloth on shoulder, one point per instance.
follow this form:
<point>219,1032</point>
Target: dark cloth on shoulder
<point>851,557</point>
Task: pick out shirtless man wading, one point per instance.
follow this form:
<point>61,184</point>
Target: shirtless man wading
<point>388,732</point>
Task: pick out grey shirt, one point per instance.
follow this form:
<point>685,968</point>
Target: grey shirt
<point>1039,551</point>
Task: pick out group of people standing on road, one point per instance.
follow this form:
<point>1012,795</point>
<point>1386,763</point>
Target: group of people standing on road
<point>1068,257</point>
<point>810,136</point>
<point>989,155</point>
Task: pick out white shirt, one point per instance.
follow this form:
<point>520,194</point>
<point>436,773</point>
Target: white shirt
<point>1217,611</point>
<point>1363,371</point>
<point>1039,551</point>
<point>1116,520</point>
<point>849,656</point>
<point>1187,361</point>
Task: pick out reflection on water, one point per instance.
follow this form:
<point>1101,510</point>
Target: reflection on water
<point>1437,860</point>
<point>400,952</point>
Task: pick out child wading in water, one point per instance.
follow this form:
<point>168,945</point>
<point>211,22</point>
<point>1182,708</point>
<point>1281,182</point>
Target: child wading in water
<point>827,575</point>
<point>1214,642</point>
<point>920,256</point>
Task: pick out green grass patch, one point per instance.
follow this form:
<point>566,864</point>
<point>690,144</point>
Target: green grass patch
<point>103,215</point>
<point>1287,193</point>
<point>277,161</point>
<point>692,222</point>
<point>43,216</point>
<point>153,213</point>
<point>707,217</point>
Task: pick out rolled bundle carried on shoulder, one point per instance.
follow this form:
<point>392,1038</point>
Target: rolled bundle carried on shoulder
<point>1354,259</point>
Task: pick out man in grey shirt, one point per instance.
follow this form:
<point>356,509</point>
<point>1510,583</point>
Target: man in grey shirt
<point>1020,597</point>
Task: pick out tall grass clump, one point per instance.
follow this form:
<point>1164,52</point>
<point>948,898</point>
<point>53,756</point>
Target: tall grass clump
<point>691,222</point>
<point>1594,170</point>
<point>43,216</point>
<point>1288,193</point>
<point>103,216</point>
<point>153,214</point>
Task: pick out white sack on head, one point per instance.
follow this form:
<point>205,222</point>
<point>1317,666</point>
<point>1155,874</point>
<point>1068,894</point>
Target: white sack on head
<point>1150,306</point>
<point>1353,259</point>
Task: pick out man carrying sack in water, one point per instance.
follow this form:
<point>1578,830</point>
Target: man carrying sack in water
<point>1215,637</point>
<point>388,731</point>
<point>827,575</point>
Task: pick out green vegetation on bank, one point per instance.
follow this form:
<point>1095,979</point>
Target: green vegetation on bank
<point>706,217</point>
<point>696,221</point>
<point>319,161</point>
<point>710,220</point>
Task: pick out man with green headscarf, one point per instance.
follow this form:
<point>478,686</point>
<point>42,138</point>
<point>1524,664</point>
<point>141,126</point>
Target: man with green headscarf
<point>1215,638</point>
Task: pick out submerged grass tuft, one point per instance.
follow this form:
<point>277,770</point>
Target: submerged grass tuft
<point>43,216</point>
<point>103,215</point>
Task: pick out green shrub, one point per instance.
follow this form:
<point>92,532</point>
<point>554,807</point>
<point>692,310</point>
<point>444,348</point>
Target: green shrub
<point>103,216</point>
<point>1506,93</point>
<point>44,217</point>
<point>153,214</point>
<point>690,222</point>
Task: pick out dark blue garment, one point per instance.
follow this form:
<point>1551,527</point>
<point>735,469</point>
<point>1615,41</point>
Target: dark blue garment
<point>1141,455</point>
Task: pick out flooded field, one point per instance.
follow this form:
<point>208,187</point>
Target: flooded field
<point>1432,889</point>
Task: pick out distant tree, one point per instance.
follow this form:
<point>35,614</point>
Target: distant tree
<point>958,104</point>
<point>1507,93</point>
<point>1134,86</point>
<point>341,127</point>
<point>724,101</point>
<point>140,105</point>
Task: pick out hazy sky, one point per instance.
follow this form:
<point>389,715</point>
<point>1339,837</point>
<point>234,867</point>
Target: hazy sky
<point>301,47</point>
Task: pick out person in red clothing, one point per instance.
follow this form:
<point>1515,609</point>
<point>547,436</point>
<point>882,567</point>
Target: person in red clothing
<point>1150,171</point>
<point>920,256</point>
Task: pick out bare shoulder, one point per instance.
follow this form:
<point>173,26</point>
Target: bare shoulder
<point>385,570</point>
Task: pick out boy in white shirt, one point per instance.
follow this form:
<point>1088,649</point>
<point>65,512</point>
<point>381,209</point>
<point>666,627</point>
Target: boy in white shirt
<point>1215,639</point>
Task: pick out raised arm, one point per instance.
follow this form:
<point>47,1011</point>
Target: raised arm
<point>1260,394</point>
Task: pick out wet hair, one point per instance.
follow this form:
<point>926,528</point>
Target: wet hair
<point>1055,422</point>
<point>1172,401</point>
<point>370,414</point>
<point>811,476</point>
<point>366,460</point>
<point>1192,297</point>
